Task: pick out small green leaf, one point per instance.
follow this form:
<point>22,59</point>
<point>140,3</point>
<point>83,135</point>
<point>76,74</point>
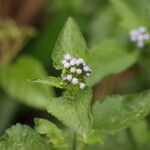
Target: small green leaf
<point>109,58</point>
<point>117,112</point>
<point>69,41</point>
<point>22,137</point>
<point>45,127</point>
<point>13,81</point>
<point>51,81</point>
<point>74,111</point>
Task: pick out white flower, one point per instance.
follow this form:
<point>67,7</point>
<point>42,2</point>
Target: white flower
<point>75,81</point>
<point>69,77</point>
<point>78,62</point>
<point>66,65</point>
<point>79,71</point>
<point>82,85</point>
<point>146,36</point>
<point>141,29</point>
<point>67,57</point>
<point>64,61</point>
<point>73,61</point>
<point>88,74</point>
<point>73,69</point>
<point>139,36</point>
<point>64,78</point>
<point>86,68</point>
<point>140,44</point>
<point>81,60</point>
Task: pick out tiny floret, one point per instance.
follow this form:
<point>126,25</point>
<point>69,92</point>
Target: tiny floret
<point>88,74</point>
<point>64,61</point>
<point>82,85</point>
<point>66,65</point>
<point>69,77</point>
<point>139,36</point>
<point>79,71</point>
<point>86,68</point>
<point>75,81</point>
<point>67,57</point>
<point>73,62</point>
<point>64,78</point>
<point>75,71</point>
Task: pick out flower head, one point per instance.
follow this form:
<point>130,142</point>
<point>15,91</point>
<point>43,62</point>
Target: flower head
<point>139,36</point>
<point>75,71</point>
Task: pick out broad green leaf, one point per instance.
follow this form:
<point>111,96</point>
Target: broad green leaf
<point>129,18</point>
<point>22,137</point>
<point>117,112</point>
<point>74,111</point>
<point>14,77</point>
<point>108,58</point>
<point>102,26</point>
<point>45,127</point>
<point>69,41</point>
<point>51,81</point>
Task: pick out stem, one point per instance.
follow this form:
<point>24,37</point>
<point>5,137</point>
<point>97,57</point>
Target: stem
<point>80,145</point>
<point>74,142</point>
<point>77,145</point>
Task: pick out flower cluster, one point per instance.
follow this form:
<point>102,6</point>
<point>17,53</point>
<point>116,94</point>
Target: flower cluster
<point>75,71</point>
<point>139,35</point>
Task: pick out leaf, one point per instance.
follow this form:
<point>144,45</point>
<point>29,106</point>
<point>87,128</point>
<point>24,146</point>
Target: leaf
<point>13,80</point>
<point>51,81</point>
<point>22,137</point>
<point>118,112</point>
<point>140,132</point>
<point>45,127</point>
<point>109,58</point>
<point>94,137</point>
<point>74,111</point>
<point>102,26</point>
<point>69,41</point>
<point>129,18</point>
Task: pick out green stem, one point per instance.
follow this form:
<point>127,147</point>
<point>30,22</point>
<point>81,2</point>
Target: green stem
<point>80,145</point>
<point>74,142</point>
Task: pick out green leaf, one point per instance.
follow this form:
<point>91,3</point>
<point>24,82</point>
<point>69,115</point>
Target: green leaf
<point>108,58</point>
<point>117,112</point>
<point>141,132</point>
<point>74,111</point>
<point>69,41</point>
<point>22,137</point>
<point>94,137</point>
<point>103,26</point>
<point>51,81</point>
<point>129,18</point>
<point>45,127</point>
<point>13,80</point>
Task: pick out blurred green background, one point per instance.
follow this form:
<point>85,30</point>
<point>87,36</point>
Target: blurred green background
<point>28,31</point>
